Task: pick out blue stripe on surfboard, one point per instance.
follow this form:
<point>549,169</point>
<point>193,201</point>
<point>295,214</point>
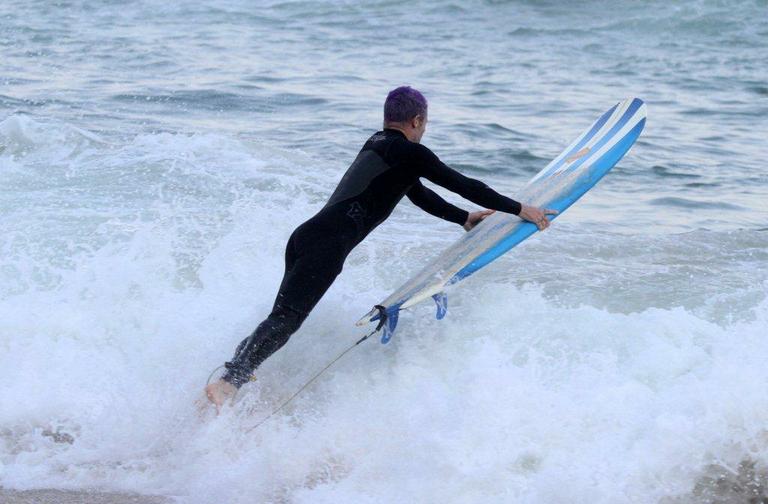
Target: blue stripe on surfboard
<point>600,168</point>
<point>605,137</point>
<point>630,113</point>
<point>592,132</point>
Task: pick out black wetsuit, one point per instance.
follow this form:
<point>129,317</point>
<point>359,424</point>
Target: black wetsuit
<point>387,168</point>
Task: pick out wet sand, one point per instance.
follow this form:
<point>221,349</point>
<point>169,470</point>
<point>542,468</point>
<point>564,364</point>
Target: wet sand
<point>745,484</point>
<point>49,496</point>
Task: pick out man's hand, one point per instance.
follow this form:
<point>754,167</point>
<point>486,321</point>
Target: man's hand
<point>537,215</point>
<point>475,218</point>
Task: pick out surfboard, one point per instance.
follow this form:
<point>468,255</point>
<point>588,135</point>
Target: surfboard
<point>563,181</point>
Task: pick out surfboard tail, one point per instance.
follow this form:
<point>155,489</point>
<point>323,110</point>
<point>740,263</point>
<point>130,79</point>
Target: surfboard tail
<point>387,317</point>
<point>367,318</point>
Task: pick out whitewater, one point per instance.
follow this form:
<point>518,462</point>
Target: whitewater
<point>155,158</point>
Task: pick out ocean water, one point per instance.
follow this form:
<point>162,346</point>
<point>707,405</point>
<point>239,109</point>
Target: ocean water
<point>154,158</point>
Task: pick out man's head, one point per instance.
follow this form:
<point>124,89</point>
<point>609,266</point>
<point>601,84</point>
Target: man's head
<point>405,109</point>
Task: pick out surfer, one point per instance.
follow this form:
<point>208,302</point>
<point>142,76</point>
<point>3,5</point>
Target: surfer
<point>387,168</point>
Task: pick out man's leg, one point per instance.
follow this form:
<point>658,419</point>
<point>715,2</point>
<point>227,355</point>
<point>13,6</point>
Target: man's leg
<point>268,337</point>
<point>308,276</point>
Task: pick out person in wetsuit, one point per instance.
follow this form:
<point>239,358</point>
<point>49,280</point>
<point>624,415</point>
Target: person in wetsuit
<point>387,168</point>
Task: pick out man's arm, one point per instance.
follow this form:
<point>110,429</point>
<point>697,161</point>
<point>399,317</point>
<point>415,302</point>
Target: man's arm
<point>430,167</point>
<point>432,203</point>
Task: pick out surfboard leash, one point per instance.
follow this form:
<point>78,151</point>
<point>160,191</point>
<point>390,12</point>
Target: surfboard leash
<point>319,373</point>
<point>382,321</point>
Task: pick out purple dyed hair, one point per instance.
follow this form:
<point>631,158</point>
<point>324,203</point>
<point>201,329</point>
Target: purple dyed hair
<point>403,104</point>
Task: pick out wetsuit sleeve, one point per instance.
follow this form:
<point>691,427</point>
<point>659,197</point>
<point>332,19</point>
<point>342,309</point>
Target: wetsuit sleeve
<point>428,165</point>
<point>431,202</point>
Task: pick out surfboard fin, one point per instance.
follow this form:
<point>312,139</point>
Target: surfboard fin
<point>387,318</point>
<point>390,322</point>
<point>441,300</point>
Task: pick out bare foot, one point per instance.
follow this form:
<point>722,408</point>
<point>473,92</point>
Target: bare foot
<point>218,392</point>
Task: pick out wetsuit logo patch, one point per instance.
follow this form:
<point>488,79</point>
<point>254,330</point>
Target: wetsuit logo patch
<point>377,137</point>
<point>356,212</point>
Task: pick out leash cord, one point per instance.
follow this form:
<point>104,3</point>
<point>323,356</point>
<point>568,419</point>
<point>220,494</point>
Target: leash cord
<point>310,381</point>
<point>382,320</point>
